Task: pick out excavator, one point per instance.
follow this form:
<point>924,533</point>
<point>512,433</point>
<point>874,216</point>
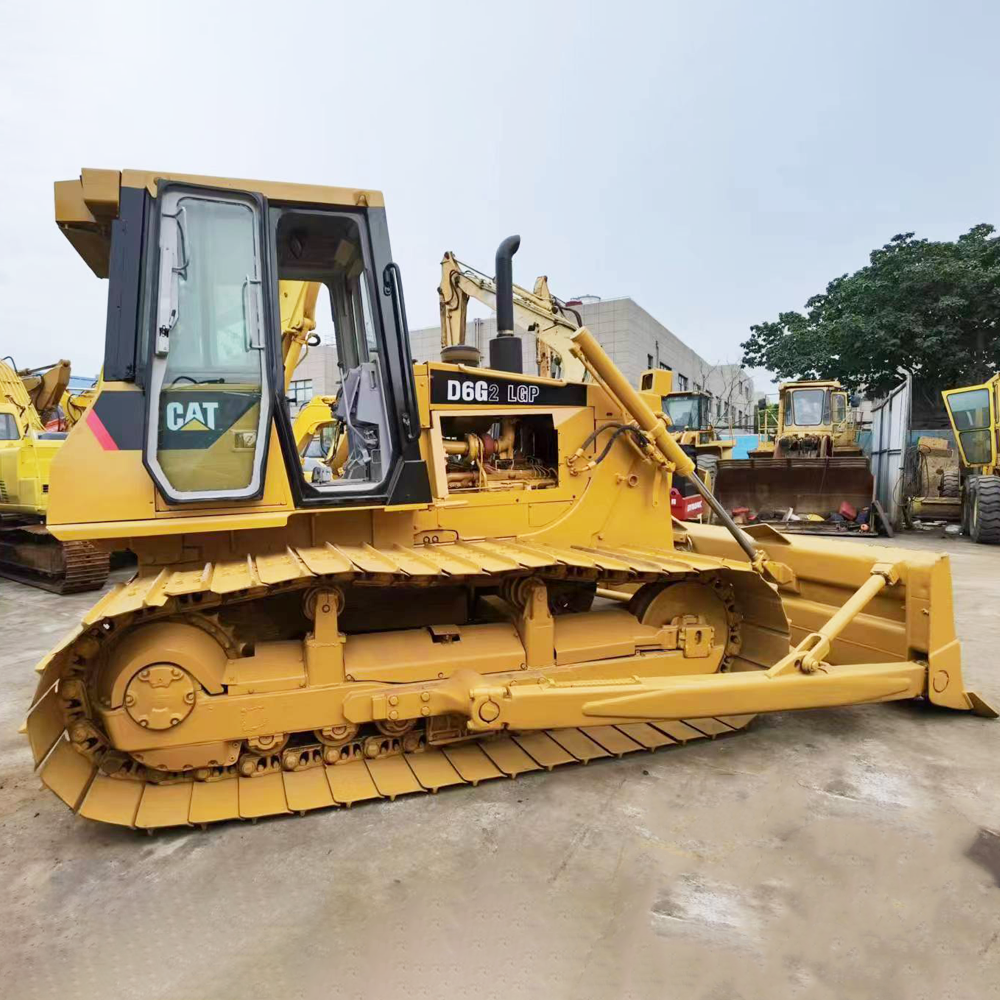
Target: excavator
<point>814,463</point>
<point>287,646</point>
<point>321,446</point>
<point>73,406</point>
<point>552,322</point>
<point>29,400</point>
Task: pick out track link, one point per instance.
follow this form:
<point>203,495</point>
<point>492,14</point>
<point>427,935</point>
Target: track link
<point>30,555</point>
<point>184,801</point>
<point>76,761</point>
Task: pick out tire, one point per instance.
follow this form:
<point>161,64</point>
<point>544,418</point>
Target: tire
<point>984,511</point>
<point>951,483</point>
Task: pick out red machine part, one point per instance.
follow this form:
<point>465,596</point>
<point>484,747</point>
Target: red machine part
<point>686,508</point>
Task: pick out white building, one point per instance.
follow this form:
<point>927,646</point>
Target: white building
<point>633,338</point>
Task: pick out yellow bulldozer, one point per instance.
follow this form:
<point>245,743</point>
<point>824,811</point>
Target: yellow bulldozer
<point>286,646</point>
<point>29,403</point>
<point>973,411</point>
<point>812,463</point>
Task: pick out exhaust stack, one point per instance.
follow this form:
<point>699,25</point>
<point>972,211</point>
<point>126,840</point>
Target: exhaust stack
<point>505,347</point>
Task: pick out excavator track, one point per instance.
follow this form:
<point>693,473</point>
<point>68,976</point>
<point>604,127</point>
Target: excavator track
<point>76,762</point>
<point>29,554</point>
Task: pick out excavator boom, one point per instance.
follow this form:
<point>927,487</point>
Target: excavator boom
<point>538,312</point>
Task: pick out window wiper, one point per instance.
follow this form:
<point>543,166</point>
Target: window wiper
<point>198,381</point>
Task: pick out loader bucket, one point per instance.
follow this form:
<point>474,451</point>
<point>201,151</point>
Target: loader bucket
<point>770,486</point>
<point>909,623</point>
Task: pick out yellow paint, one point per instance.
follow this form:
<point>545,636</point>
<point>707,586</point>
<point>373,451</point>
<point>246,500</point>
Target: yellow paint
<point>382,636</point>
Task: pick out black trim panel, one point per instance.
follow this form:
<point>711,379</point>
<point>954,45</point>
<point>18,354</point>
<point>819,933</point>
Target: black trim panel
<point>123,415</point>
<point>124,286</point>
<point>486,389</point>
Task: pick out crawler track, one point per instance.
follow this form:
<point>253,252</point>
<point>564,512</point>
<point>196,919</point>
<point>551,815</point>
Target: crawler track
<point>76,761</point>
<point>30,555</point>
<point>146,804</point>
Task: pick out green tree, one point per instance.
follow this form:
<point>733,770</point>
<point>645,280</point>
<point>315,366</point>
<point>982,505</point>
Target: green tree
<point>931,308</point>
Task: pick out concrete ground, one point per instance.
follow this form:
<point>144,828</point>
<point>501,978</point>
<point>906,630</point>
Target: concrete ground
<point>831,854</point>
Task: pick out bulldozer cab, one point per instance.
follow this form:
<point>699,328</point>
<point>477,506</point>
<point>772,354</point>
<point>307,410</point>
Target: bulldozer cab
<point>688,411</point>
<point>973,411</point>
<point>211,394</point>
<point>816,416</point>
<point>199,265</point>
<point>815,408</point>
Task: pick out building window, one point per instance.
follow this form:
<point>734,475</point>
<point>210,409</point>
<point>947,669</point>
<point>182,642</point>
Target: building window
<point>300,391</point>
<point>649,360</point>
<point>682,382</point>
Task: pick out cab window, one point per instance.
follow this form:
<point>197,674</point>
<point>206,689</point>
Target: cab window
<point>8,428</point>
<point>208,381</point>
<point>684,412</point>
<point>807,407</point>
<point>839,407</point>
<point>328,248</point>
<point>970,410</point>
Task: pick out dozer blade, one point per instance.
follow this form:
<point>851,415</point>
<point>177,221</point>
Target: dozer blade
<point>807,485</point>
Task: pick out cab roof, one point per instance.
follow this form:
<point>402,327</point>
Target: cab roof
<point>811,384</point>
<point>86,207</point>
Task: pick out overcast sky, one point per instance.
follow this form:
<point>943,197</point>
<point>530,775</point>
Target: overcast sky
<point>718,162</point>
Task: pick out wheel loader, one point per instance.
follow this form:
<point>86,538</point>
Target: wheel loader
<point>813,464</point>
<point>28,552</point>
<point>973,411</point>
<point>287,646</point>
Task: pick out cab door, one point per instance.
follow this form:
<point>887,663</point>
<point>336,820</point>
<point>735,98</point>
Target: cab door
<point>209,393</point>
<point>972,412</point>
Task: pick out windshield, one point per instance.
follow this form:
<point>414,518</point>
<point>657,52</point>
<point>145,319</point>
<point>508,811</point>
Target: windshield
<point>970,411</point>
<point>319,446</point>
<point>684,412</point>
<point>8,428</point>
<point>807,408</point>
<point>210,334</point>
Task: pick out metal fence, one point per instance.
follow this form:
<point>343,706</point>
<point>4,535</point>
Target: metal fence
<point>890,436</point>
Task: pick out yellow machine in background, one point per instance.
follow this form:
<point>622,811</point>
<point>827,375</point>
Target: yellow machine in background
<point>44,386</point>
<point>690,416</point>
<point>815,419</point>
<point>539,312</point>
<point>973,411</point>
<point>287,645</point>
<point>319,439</point>
<point>814,462</point>
<point>74,405</point>
<point>28,553</point>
